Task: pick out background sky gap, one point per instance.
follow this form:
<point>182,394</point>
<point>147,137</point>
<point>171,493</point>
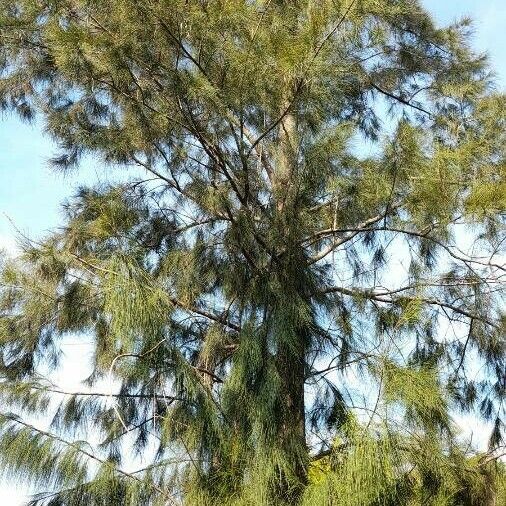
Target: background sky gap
<point>30,195</point>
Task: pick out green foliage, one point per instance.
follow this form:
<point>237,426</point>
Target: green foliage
<point>388,469</point>
<point>275,163</point>
<point>419,392</point>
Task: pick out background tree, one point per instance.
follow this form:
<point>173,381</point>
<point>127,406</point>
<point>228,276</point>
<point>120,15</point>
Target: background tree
<point>281,284</point>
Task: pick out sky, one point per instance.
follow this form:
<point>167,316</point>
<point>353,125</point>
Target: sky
<point>30,194</point>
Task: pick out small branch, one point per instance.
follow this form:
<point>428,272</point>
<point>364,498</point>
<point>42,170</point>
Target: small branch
<point>93,394</point>
<point>361,227</point>
<point>463,355</point>
<point>400,99</point>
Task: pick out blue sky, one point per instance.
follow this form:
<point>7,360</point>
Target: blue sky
<point>30,194</point>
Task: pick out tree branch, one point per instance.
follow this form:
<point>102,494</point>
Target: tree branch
<point>386,298</point>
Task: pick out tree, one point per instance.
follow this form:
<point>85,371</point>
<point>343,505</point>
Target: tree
<point>280,164</point>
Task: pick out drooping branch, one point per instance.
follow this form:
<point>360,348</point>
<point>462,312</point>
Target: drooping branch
<point>89,455</point>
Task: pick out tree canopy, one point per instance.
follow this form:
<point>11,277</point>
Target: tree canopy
<point>296,282</point>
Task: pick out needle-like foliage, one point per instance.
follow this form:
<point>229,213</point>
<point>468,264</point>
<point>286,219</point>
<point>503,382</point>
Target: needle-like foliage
<point>294,285</point>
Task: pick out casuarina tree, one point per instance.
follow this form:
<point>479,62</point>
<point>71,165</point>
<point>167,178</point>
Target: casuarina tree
<point>292,280</point>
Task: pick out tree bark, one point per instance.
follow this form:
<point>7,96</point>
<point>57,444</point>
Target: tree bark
<point>293,432</point>
<point>290,356</point>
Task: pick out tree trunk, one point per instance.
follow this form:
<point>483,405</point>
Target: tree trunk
<point>290,356</point>
<point>293,433</point>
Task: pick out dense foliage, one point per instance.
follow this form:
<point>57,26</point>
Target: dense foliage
<point>295,283</point>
